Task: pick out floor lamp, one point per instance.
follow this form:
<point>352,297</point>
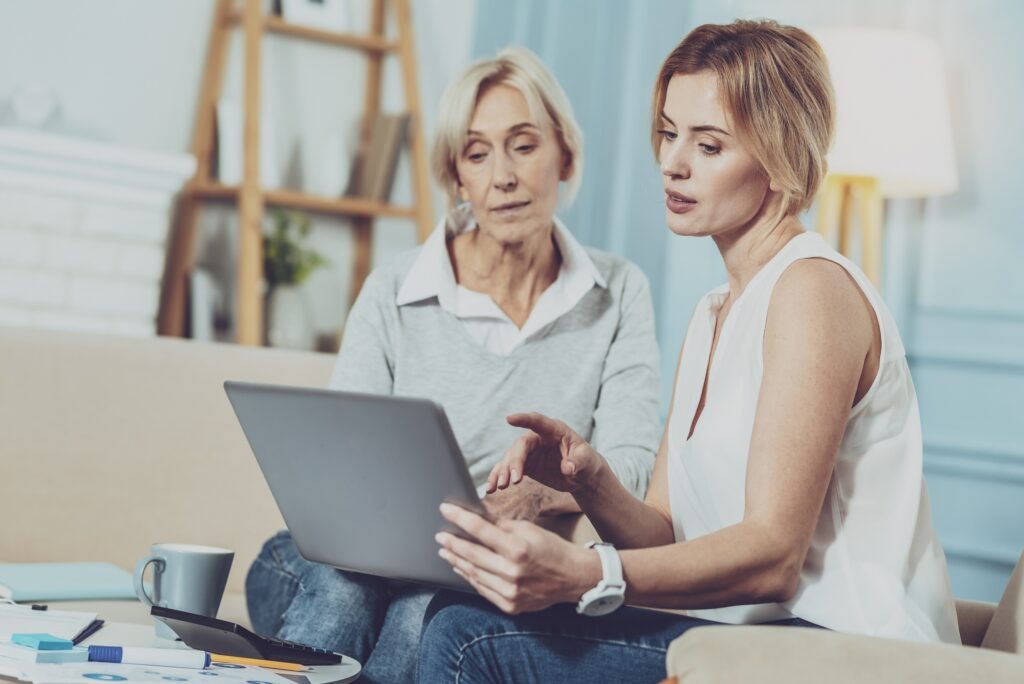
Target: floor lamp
<point>893,134</point>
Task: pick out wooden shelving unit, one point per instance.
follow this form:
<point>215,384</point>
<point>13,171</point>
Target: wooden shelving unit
<point>294,199</point>
<point>250,198</point>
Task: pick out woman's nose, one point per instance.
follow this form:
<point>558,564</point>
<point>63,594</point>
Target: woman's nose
<point>504,174</point>
<point>674,163</point>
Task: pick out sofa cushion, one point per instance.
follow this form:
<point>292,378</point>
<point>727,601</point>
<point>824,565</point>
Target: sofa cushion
<point>1006,631</point>
<point>117,443</point>
<point>798,655</point>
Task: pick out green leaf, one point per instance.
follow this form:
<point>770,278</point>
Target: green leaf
<point>286,259</point>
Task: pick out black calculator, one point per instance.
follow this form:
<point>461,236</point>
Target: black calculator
<point>227,638</point>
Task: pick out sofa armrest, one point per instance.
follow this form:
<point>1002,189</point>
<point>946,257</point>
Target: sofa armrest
<point>799,655</point>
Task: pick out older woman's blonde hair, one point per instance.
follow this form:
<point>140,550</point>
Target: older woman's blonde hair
<point>775,86</point>
<point>521,69</point>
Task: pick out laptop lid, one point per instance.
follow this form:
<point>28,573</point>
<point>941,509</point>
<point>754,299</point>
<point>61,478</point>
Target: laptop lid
<point>358,478</point>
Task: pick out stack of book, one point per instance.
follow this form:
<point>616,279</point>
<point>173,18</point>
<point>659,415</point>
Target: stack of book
<point>374,173</point>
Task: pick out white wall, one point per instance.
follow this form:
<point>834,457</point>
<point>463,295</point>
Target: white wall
<point>128,72</point>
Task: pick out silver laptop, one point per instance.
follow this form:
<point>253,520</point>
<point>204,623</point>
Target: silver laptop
<point>359,477</point>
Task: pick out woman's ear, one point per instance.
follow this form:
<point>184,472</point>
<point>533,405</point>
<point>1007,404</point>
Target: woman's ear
<point>773,186</point>
<point>463,193</point>
<point>567,167</point>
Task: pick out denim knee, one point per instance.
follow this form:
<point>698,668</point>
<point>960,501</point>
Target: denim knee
<point>452,623</point>
<point>269,584</point>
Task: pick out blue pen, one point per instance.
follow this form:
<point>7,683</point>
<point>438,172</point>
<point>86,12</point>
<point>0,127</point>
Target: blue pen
<point>154,657</point>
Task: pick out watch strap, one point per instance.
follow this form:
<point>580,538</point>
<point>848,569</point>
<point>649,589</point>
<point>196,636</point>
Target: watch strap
<point>611,564</point>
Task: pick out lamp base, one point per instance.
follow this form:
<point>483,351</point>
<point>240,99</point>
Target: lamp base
<point>840,197</point>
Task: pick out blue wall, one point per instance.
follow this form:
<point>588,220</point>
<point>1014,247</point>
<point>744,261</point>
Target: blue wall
<point>953,265</point>
<point>966,324</point>
<point>606,54</point>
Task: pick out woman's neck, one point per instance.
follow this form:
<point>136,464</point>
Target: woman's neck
<point>513,274</point>
<point>746,250</point>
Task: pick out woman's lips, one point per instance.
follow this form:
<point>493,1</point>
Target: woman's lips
<point>679,203</point>
<point>510,206</point>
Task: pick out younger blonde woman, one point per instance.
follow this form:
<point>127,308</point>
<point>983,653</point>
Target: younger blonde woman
<point>788,487</point>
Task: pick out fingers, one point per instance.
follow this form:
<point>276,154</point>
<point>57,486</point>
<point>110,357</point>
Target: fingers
<point>548,428</point>
<point>498,473</point>
<point>470,570</point>
<point>475,554</point>
<point>484,590</point>
<point>512,466</point>
<point>568,467</point>
<point>494,575</point>
<point>479,528</point>
<point>502,474</point>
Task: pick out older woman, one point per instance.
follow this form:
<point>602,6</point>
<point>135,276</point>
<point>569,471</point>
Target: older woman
<point>788,487</point>
<point>500,309</point>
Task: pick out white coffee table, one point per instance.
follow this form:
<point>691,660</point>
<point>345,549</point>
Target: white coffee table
<point>125,634</point>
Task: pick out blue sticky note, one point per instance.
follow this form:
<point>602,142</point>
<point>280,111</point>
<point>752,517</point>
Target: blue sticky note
<point>42,642</point>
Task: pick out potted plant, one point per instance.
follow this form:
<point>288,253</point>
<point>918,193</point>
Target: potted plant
<point>287,262</point>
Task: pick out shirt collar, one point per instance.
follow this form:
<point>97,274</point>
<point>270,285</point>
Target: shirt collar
<point>431,274</point>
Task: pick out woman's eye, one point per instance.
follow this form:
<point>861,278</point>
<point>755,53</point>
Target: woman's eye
<point>525,149</point>
<point>668,135</point>
<point>709,150</point>
<point>476,157</point>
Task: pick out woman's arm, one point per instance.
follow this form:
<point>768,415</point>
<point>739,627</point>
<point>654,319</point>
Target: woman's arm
<point>819,334</point>
<point>819,337</point>
<point>626,415</point>
<point>625,418</point>
<point>365,361</point>
<point>617,515</point>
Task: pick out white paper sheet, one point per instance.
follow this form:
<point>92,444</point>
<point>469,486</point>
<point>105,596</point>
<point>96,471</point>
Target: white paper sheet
<point>65,624</point>
<point>98,673</point>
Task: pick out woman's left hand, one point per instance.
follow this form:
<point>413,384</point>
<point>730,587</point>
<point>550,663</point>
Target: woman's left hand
<point>516,565</point>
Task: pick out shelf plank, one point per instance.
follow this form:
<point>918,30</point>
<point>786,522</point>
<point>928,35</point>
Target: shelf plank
<point>293,199</point>
<point>276,24</point>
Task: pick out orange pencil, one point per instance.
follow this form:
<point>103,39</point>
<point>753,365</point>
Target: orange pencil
<point>272,664</point>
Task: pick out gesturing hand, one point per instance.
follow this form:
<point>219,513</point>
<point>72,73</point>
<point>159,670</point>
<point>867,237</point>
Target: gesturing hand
<point>550,453</point>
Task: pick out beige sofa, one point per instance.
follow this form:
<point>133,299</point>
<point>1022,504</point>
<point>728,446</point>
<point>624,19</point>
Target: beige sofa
<point>110,444</point>
<point>993,652</point>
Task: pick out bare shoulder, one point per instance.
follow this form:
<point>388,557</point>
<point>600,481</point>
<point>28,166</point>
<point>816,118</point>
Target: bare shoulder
<point>821,299</point>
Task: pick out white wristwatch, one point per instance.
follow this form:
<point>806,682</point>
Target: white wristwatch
<point>610,592</point>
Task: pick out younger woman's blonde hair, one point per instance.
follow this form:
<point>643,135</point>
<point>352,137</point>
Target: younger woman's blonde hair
<point>775,85</point>
<point>521,69</point>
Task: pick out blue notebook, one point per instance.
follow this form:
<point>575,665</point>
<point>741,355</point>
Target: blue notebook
<point>64,581</point>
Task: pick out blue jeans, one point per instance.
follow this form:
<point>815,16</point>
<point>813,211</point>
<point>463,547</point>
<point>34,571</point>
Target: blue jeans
<point>467,640</point>
<point>374,620</point>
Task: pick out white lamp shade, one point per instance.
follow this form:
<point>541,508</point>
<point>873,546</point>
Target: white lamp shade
<point>892,120</point>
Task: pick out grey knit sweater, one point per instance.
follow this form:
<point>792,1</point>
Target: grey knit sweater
<point>595,367</point>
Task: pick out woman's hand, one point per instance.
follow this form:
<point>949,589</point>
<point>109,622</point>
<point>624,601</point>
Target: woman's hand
<point>516,565</point>
<point>529,501</point>
<point>550,453</point>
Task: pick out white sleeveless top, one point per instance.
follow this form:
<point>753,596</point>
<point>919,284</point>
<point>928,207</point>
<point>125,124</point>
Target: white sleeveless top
<point>875,565</point>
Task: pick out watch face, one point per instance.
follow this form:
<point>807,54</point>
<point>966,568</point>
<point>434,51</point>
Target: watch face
<point>603,605</point>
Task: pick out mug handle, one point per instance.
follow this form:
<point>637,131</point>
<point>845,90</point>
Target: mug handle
<point>140,570</point>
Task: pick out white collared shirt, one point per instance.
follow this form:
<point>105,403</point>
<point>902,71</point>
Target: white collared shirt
<point>431,275</point>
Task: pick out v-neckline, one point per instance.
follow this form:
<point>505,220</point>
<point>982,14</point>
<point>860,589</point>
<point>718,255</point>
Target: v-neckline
<point>713,348</point>
<point>717,327</point>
